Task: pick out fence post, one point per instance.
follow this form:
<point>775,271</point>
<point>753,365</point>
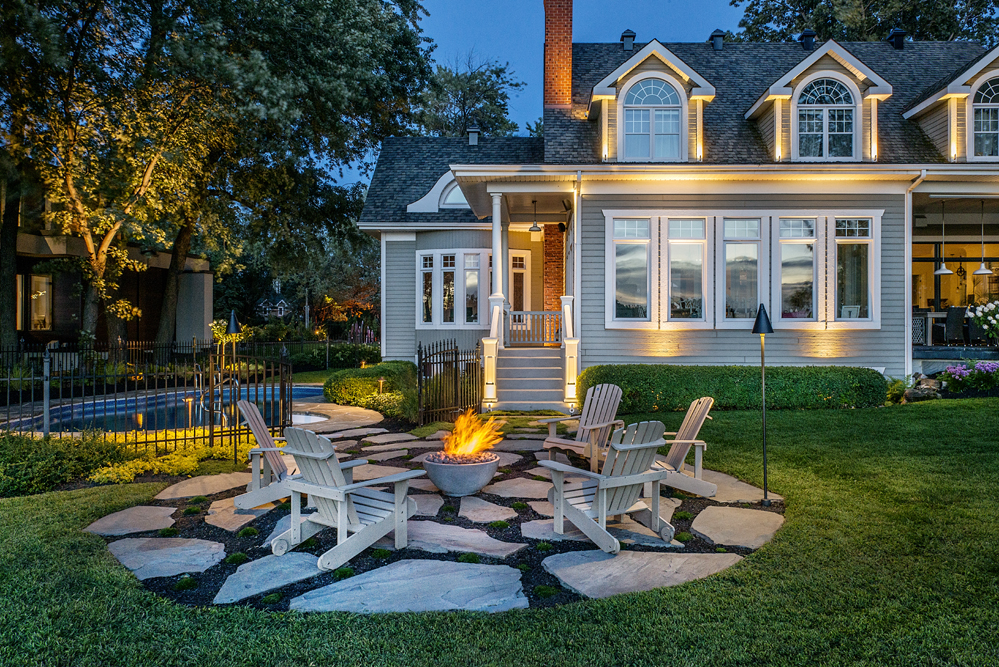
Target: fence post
<point>456,374</point>
<point>327,350</point>
<point>46,372</point>
<point>419,382</point>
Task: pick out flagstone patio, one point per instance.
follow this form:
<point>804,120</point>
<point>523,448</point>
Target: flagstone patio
<point>507,524</point>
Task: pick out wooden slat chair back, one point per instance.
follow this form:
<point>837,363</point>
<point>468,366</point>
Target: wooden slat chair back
<point>360,514</point>
<point>628,467</point>
<point>595,423</point>
<point>680,444</point>
<point>268,467</point>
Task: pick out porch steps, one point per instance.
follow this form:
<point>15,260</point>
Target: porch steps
<point>530,378</point>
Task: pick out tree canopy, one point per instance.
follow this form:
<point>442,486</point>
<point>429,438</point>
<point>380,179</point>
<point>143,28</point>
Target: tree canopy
<point>869,20</point>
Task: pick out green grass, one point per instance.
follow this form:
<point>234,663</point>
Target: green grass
<point>887,556</point>
<point>197,500</point>
<point>546,591</point>
<point>682,516</point>
<point>519,506</point>
<point>381,553</point>
<point>313,376</point>
<point>188,511</point>
<point>683,536</point>
<point>249,531</point>
<point>431,428</point>
<point>272,598</point>
<point>185,583</point>
<point>237,558</point>
<point>469,558</point>
<point>168,532</point>
<point>499,525</point>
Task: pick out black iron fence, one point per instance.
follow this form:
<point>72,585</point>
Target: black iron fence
<point>449,380</point>
<point>149,400</point>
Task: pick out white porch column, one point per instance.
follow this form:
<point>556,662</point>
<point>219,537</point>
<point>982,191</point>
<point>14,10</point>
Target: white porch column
<point>499,268</point>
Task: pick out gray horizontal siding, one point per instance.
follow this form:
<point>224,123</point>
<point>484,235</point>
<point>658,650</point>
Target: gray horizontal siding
<point>877,348</point>
<point>399,294</point>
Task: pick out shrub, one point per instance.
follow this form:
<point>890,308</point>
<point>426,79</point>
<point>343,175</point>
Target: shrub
<point>543,546</point>
<point>237,558</point>
<point>249,531</point>
<point>381,553</point>
<point>896,391</point>
<point>352,386</point>
<point>185,583</point>
<point>168,532</point>
<point>36,465</point>
<point>980,375</point>
<point>683,537</point>
<point>343,573</point>
<point>469,558</point>
<point>192,510</point>
<point>664,387</point>
<point>499,525</point>
<point>197,500</point>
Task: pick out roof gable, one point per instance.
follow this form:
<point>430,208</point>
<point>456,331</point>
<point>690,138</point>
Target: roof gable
<point>958,86</point>
<point>606,88</point>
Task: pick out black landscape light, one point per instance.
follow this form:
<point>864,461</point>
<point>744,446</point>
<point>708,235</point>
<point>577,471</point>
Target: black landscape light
<point>763,327</point>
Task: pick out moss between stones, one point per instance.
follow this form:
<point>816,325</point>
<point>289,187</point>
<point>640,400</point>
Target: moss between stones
<point>168,532</point>
<point>519,506</point>
<point>237,558</point>
<point>499,525</point>
<point>273,598</point>
<point>683,537</point>
<point>192,510</point>
<point>682,516</point>
<point>249,531</point>
<point>381,553</point>
<point>546,591</point>
<point>343,573</point>
<point>197,500</point>
<point>543,546</point>
<point>469,558</point>
<point>185,584</point>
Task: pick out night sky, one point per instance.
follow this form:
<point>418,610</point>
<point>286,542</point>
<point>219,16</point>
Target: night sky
<point>513,31</point>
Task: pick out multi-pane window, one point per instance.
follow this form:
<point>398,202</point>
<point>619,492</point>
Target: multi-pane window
<point>797,268</point>
<point>742,268</point>
<point>686,252</point>
<point>652,121</point>
<point>986,119</point>
<point>631,269</point>
<point>41,303</point>
<point>854,254</point>
<point>471,288</point>
<point>447,288</point>
<point>427,286</point>
<point>825,120</point>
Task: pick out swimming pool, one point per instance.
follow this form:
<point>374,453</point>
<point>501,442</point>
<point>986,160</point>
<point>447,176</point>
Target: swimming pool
<point>172,410</point>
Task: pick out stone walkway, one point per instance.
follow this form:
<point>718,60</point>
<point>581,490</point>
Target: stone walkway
<point>421,583</point>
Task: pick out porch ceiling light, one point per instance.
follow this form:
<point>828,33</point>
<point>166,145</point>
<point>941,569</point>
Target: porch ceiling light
<point>983,270</point>
<point>943,270</point>
<point>535,228</point>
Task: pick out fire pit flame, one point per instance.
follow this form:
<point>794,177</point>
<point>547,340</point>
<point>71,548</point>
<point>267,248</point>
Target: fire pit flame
<point>471,438</point>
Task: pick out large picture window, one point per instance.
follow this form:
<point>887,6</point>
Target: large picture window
<point>854,243</point>
<point>741,292</point>
<point>826,121</point>
<point>652,121</point>
<point>686,254</point>
<point>427,288</point>
<point>449,290</point>
<point>797,247</point>
<point>986,119</point>
<point>631,269</point>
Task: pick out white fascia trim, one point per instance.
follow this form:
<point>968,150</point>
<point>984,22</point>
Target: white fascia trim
<point>702,89</point>
<point>399,236</point>
<point>430,202</point>
<point>420,227</point>
<point>969,111</point>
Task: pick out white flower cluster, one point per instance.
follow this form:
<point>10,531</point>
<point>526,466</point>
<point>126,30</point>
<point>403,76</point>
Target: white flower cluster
<point>986,316</point>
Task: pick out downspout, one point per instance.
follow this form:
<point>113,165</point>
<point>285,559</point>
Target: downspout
<point>908,272</point>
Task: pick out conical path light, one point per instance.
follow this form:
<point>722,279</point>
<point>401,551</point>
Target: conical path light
<point>763,327</point>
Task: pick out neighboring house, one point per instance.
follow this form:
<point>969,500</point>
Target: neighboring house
<point>678,187</point>
<point>49,305</point>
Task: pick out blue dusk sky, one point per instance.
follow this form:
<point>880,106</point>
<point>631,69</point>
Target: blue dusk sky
<point>514,31</point>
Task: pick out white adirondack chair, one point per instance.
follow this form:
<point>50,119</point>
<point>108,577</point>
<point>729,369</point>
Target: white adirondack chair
<point>680,446</point>
<point>270,473</point>
<point>595,424</point>
<point>615,491</point>
<point>361,515</point>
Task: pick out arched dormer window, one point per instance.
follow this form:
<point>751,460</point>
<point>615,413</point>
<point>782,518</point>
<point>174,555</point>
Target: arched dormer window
<point>653,120</point>
<point>826,121</point>
<point>986,119</point>
<point>453,197</point>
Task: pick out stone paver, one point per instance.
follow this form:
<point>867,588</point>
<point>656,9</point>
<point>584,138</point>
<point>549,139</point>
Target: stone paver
<point>356,432</point>
<point>339,417</point>
<point>149,557</point>
<point>427,504</point>
<point>385,456</point>
<point>559,457</point>
<point>266,574</point>
<point>373,471</point>
<point>527,430</point>
<point>421,585</point>
<point>596,574</point>
<point>438,538</point>
<point>425,444</point>
<point>478,510</point>
<point>509,445</point>
<point>526,436</point>
<point>223,514</point>
<point>380,448</point>
<point>519,488</point>
<point>205,485</point>
<point>439,435</point>
<point>507,458</point>
<point>133,520</point>
<point>385,438</point>
<point>735,526</point>
<point>423,484</point>
<point>542,507</point>
<point>283,524</point>
<point>547,474</point>
<point>627,531</point>
<point>731,490</point>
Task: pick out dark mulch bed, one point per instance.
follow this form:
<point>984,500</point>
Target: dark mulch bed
<point>529,559</point>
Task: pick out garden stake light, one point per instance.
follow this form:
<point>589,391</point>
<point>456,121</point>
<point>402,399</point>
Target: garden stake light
<point>763,327</point>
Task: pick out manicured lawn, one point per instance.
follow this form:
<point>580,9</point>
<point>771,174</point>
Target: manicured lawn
<point>313,376</point>
<point>890,555</point>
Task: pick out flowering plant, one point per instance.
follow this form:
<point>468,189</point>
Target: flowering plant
<point>986,316</point>
<point>983,375</point>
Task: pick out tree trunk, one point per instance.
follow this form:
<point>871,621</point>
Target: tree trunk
<point>10,204</point>
<point>168,310</point>
<point>91,310</point>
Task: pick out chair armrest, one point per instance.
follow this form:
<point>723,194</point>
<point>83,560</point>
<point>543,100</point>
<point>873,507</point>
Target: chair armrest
<point>257,450</point>
<point>695,443</point>
<point>391,479</point>
<point>561,467</point>
<point>553,420</point>
<point>352,464</point>
<point>310,455</point>
<point>618,422</point>
<point>639,445</point>
<point>669,433</point>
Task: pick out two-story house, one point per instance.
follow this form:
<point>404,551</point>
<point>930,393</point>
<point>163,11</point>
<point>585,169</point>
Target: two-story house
<point>851,188</point>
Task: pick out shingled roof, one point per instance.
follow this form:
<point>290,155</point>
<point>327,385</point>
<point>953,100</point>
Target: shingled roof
<point>741,73</point>
<point>408,167</point>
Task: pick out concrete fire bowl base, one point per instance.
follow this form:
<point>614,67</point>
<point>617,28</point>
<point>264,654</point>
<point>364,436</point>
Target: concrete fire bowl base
<point>461,479</point>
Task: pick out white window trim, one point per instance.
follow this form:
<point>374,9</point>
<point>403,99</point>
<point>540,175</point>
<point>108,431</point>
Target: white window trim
<point>707,269</point>
<point>969,118</point>
<point>762,269</point>
<point>769,276</point>
<point>874,266</point>
<point>858,117</point>
<point>459,289</point>
<point>526,254</point>
<point>684,129</point>
<point>447,193</point>
<point>819,273</point>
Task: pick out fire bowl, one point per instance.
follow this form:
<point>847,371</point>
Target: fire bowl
<point>462,479</point>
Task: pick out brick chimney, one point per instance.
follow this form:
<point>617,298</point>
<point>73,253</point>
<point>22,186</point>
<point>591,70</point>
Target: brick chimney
<point>558,53</point>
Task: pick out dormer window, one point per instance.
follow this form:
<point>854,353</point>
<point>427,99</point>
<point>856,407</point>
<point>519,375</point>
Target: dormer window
<point>986,110</point>
<point>453,197</point>
<point>826,121</point>
<point>652,121</point>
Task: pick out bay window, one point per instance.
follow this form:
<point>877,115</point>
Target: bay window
<point>471,288</point>
<point>741,277</point>
<point>854,243</point>
<point>686,250</point>
<point>427,288</point>
<point>631,269</point>
<point>448,287</point>
<point>797,261</point>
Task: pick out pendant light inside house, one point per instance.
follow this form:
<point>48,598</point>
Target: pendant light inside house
<point>535,229</point>
<point>983,270</point>
<point>943,270</point>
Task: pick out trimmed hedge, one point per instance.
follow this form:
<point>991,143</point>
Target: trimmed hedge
<point>353,386</point>
<point>662,387</point>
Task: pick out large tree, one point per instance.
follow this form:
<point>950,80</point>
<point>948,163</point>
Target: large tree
<point>469,91</point>
<point>869,20</point>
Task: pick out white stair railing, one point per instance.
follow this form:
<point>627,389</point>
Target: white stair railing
<point>570,351</point>
<point>490,350</point>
